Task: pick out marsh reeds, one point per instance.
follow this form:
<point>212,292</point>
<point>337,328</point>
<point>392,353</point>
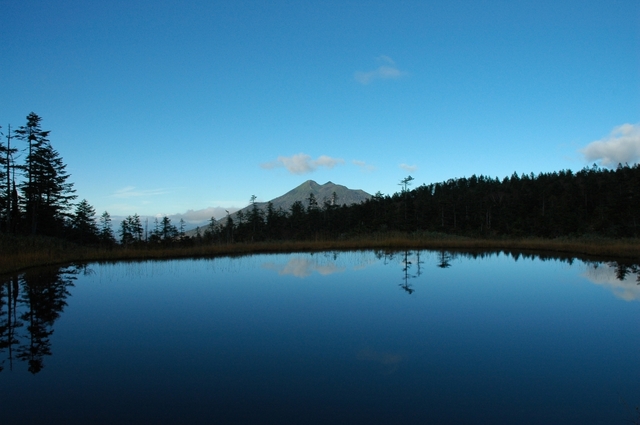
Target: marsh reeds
<point>19,252</point>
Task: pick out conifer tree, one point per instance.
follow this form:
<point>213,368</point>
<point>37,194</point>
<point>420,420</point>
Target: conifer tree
<point>168,230</point>
<point>255,218</point>
<point>131,230</point>
<point>135,224</point>
<point>47,193</point>
<point>126,235</point>
<point>106,232</point>
<point>181,232</point>
<point>210,231</point>
<point>83,222</point>
<point>6,198</point>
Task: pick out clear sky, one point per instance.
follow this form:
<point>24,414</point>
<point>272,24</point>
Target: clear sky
<point>160,107</point>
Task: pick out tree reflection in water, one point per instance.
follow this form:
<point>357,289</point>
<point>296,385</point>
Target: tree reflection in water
<point>29,305</point>
<point>409,259</point>
<point>9,321</point>
<point>444,259</point>
<point>406,275</point>
<point>624,269</point>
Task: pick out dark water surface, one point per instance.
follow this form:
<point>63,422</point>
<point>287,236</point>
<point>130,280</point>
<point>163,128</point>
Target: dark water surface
<point>359,337</point>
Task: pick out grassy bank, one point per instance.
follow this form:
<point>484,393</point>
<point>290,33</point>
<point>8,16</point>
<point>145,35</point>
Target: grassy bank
<point>19,253</point>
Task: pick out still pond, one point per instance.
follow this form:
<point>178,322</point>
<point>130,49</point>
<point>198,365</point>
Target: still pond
<point>339,337</point>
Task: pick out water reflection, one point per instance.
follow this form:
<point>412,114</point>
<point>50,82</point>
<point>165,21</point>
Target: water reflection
<point>329,336</point>
<point>406,266</point>
<point>412,264</point>
<point>444,259</point>
<point>623,279</point>
<point>29,305</point>
<point>325,264</point>
<point>9,298</point>
<point>303,267</point>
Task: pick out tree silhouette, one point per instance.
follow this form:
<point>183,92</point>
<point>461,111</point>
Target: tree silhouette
<point>210,231</point>
<point>106,232</point>
<point>181,231</point>
<point>127,235</point>
<point>7,207</point>
<point>47,193</point>
<point>168,231</point>
<point>254,217</point>
<point>83,223</point>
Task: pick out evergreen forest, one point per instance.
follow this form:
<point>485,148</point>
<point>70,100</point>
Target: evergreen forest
<point>38,198</point>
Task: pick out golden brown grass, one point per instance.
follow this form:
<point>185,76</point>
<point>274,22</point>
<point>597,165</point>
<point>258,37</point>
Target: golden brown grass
<point>18,253</point>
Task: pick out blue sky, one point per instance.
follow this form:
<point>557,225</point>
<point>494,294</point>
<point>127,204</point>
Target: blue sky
<point>161,107</point>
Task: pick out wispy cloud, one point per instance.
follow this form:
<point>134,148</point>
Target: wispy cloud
<point>131,192</point>
<point>363,165</point>
<point>303,163</point>
<point>409,168</point>
<point>621,146</point>
<point>386,71</point>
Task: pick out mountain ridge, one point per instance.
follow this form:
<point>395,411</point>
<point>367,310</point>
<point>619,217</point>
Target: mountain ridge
<point>322,193</point>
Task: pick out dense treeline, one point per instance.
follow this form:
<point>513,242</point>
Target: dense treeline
<point>593,201</point>
<point>36,198</point>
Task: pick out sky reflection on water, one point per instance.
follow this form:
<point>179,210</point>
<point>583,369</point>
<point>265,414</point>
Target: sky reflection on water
<point>353,337</point>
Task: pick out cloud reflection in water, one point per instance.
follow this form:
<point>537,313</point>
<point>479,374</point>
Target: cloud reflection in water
<point>608,275</point>
<point>304,267</point>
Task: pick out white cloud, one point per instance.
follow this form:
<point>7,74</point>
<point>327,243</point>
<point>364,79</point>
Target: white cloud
<point>198,216</point>
<point>327,161</point>
<point>408,168</point>
<point>621,146</point>
<point>130,192</point>
<point>363,165</point>
<point>302,163</point>
<point>386,71</point>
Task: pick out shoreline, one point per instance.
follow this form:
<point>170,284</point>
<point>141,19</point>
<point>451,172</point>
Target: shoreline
<point>36,252</point>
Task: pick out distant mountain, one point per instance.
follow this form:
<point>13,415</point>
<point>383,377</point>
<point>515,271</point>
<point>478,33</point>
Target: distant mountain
<point>301,193</point>
<point>322,193</point>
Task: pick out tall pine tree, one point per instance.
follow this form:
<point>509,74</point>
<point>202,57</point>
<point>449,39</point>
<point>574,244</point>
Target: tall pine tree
<point>7,208</point>
<point>47,193</point>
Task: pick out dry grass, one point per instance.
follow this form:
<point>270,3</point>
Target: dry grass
<point>19,253</point>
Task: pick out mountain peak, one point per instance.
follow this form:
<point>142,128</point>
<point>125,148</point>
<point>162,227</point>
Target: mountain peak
<point>321,193</point>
